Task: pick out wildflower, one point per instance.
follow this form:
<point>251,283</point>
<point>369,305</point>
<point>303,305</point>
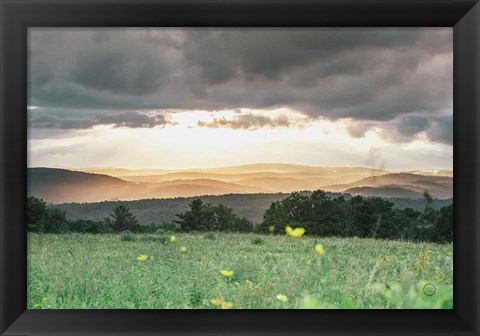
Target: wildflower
<point>44,300</point>
<point>173,239</point>
<point>281,297</point>
<point>226,305</point>
<point>183,249</point>
<point>271,228</point>
<point>216,302</point>
<point>221,303</point>
<point>319,249</point>
<point>142,257</point>
<point>226,273</point>
<point>297,232</point>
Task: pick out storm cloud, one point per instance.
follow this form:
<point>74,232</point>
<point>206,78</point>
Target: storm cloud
<point>397,79</point>
<point>253,122</point>
<point>405,128</point>
<point>84,119</point>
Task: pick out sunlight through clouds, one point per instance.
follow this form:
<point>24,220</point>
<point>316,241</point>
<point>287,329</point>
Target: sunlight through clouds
<point>185,144</point>
<point>178,98</point>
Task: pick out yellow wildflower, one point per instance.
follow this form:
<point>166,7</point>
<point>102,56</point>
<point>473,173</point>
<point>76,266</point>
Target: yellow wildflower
<point>142,257</point>
<point>173,239</point>
<point>226,305</point>
<point>226,273</point>
<point>183,249</point>
<point>281,297</point>
<point>220,302</point>
<point>216,302</point>
<point>319,249</point>
<point>44,300</point>
<point>297,232</point>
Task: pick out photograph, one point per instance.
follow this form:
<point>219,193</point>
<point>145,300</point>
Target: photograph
<point>240,168</point>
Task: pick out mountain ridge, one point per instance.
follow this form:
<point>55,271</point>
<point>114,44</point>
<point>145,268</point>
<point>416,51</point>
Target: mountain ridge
<point>58,185</point>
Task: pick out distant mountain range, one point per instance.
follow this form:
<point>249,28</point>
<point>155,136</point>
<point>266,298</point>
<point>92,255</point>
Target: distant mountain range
<point>110,184</point>
<point>399,185</point>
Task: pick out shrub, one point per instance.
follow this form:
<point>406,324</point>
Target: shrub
<point>210,236</point>
<point>127,237</point>
<point>258,241</point>
<point>154,238</point>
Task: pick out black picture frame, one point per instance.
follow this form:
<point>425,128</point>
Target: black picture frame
<point>17,16</point>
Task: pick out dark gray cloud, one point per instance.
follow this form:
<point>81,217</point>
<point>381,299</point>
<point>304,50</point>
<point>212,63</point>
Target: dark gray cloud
<point>85,119</point>
<point>406,128</point>
<point>441,129</point>
<point>118,71</point>
<point>253,122</point>
<point>369,75</point>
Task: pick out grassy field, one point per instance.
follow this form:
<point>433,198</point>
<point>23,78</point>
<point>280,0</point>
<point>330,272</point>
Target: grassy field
<point>72,271</point>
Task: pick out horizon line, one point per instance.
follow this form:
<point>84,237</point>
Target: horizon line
<point>238,166</point>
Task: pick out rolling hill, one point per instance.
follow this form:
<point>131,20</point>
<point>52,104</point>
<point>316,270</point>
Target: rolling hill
<point>186,188</point>
<point>279,184</point>
<point>399,184</point>
<point>384,192</point>
<point>432,172</point>
<point>62,185</point>
<point>121,172</point>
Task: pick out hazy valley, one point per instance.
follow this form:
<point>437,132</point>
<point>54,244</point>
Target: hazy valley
<point>112,184</point>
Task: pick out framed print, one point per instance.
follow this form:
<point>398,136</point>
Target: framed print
<point>240,167</point>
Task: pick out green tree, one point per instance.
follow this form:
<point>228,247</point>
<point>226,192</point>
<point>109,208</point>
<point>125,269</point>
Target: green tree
<point>325,215</point>
<point>41,218</point>
<point>371,216</point>
<point>224,218</point>
<point>444,225</point>
<point>123,219</point>
<point>294,210</point>
<point>341,218</point>
<point>200,217</point>
<point>425,224</point>
<point>242,224</point>
<point>55,221</point>
<point>85,226</point>
<point>227,220</point>
<point>36,213</point>
<point>205,217</point>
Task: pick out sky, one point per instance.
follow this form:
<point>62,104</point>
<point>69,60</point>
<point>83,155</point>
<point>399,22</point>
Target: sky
<point>179,98</point>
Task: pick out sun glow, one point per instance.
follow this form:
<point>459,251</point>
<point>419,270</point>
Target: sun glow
<point>203,139</point>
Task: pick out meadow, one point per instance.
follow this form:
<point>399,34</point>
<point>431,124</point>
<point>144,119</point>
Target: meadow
<point>113,271</point>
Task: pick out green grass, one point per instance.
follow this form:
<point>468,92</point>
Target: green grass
<point>72,271</point>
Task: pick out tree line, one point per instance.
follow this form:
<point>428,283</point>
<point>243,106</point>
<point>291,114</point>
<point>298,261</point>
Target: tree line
<point>364,217</point>
<point>320,215</point>
<point>41,218</point>
<point>252,206</point>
